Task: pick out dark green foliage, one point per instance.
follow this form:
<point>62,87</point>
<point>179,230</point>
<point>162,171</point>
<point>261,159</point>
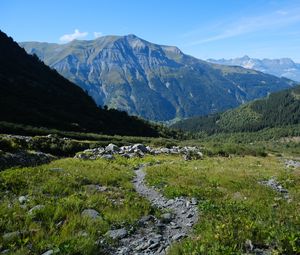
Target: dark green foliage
<point>33,94</point>
<point>281,109</point>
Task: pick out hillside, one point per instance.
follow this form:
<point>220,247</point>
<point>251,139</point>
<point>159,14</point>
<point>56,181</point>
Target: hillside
<point>283,67</point>
<point>277,110</point>
<point>33,94</point>
<point>153,81</point>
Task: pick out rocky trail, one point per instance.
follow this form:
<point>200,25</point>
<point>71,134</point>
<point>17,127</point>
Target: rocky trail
<point>154,236</point>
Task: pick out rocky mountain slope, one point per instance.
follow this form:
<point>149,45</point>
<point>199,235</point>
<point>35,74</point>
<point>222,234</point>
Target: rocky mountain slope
<point>277,110</point>
<point>283,67</point>
<point>33,94</point>
<point>153,81</point>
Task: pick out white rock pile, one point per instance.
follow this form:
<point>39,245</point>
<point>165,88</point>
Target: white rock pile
<point>138,150</point>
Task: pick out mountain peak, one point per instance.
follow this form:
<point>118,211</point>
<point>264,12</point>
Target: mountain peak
<point>245,57</point>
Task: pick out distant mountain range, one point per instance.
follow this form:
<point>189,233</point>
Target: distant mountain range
<point>33,94</point>
<point>153,81</point>
<point>283,67</point>
<point>277,110</point>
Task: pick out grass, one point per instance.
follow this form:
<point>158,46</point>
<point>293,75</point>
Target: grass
<point>233,206</point>
<point>61,187</point>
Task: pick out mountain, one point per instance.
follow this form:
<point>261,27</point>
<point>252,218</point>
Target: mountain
<point>277,110</point>
<point>33,94</point>
<point>153,81</point>
<point>283,67</point>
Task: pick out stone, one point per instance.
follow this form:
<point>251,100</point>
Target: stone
<point>49,252</point>
<point>166,217</point>
<point>107,156</point>
<point>35,209</point>
<point>117,233</point>
<point>194,201</point>
<point>140,147</point>
<point>178,236</point>
<point>125,155</point>
<point>91,213</point>
<point>112,148</point>
<point>273,184</point>
<point>23,199</point>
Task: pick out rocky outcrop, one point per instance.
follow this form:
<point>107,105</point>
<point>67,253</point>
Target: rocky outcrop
<point>292,163</point>
<point>138,150</point>
<point>276,186</point>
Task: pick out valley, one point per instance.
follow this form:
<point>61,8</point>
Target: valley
<point>153,201</point>
<point>114,141</point>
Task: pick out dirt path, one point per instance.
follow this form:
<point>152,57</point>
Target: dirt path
<point>154,236</point>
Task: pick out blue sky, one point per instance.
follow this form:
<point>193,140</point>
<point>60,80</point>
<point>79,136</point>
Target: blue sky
<point>204,29</point>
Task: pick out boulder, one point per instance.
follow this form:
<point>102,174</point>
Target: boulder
<point>91,213</point>
<point>112,148</point>
<point>117,233</point>
<point>140,147</point>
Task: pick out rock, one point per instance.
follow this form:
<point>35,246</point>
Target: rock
<point>292,163</point>
<point>165,150</point>
<point>190,215</point>
<point>117,233</point>
<point>112,148</point>
<point>178,236</point>
<point>248,245</point>
<point>125,155</point>
<point>49,252</point>
<point>95,188</point>
<point>273,184</point>
<point>166,217</point>
<point>145,219</point>
<point>187,157</point>
<point>91,213</point>
<point>35,209</point>
<point>194,201</point>
<point>140,147</point>
<point>23,199</point>
<point>107,156</point>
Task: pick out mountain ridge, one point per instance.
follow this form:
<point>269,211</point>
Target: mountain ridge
<point>33,94</point>
<point>281,67</point>
<point>277,110</point>
<point>156,82</point>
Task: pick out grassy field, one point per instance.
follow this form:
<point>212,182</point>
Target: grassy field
<point>234,208</point>
<point>62,188</point>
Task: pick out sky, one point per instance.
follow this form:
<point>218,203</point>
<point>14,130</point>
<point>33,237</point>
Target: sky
<point>204,29</point>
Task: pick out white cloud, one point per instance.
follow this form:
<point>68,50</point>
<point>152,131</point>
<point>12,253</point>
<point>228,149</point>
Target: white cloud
<point>97,34</point>
<point>70,37</point>
<point>252,24</point>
